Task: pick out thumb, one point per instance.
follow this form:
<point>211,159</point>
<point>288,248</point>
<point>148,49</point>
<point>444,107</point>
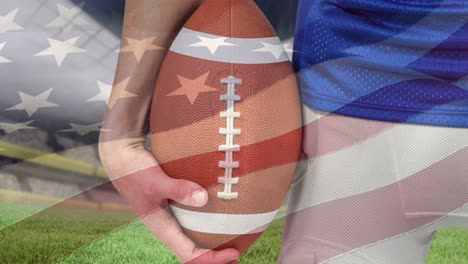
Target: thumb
<point>187,193</point>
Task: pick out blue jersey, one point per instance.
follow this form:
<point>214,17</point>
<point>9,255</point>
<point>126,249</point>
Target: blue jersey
<point>400,61</point>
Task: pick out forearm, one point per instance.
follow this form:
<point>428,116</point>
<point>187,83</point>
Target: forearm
<point>156,16</point>
<point>136,73</point>
<point>161,19</point>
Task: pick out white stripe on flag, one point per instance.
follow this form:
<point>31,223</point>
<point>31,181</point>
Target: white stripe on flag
<point>377,160</point>
<point>233,50</point>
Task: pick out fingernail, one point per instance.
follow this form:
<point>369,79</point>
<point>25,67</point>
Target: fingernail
<point>198,197</point>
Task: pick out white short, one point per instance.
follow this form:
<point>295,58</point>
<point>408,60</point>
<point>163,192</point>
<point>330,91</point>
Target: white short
<point>374,192</point>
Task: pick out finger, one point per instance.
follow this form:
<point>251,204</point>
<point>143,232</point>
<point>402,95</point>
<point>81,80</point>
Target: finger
<point>157,185</point>
<point>163,226</point>
<point>224,256</point>
<point>185,192</point>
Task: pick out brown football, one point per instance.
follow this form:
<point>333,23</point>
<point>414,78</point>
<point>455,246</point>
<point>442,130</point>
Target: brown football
<point>226,114</point>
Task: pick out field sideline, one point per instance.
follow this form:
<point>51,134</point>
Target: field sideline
<point>135,244</point>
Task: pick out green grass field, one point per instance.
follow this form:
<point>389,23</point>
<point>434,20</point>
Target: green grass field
<point>134,243</point>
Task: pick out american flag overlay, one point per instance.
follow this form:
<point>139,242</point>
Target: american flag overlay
<point>384,125</point>
<point>57,66</point>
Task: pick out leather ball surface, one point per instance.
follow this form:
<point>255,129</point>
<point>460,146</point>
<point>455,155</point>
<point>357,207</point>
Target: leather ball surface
<point>226,115</point>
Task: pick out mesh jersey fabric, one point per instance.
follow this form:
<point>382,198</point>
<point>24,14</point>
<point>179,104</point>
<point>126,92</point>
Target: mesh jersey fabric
<point>401,61</point>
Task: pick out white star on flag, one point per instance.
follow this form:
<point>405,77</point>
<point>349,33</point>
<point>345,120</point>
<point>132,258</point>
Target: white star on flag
<point>7,24</point>
<point>139,47</point>
<point>275,50</point>
<point>83,130</point>
<point>288,50</point>
<point>212,43</point>
<point>3,59</point>
<point>10,127</point>
<point>69,17</point>
<point>60,49</point>
<point>104,95</point>
<point>33,103</point>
